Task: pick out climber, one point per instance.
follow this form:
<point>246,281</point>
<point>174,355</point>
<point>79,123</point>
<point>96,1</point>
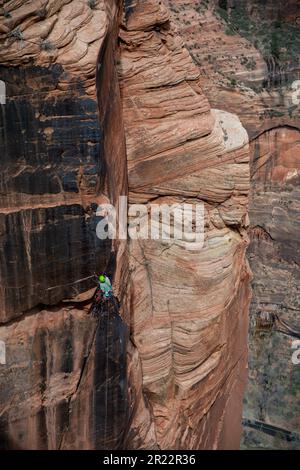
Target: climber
<point>105,286</point>
<point>104,299</point>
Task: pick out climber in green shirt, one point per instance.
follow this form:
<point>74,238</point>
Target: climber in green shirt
<point>105,286</point>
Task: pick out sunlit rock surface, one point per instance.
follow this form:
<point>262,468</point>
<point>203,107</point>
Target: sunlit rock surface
<point>189,308</point>
<point>247,54</point>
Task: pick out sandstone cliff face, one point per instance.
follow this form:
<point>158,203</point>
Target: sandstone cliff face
<point>247,53</point>
<point>62,153</point>
<point>244,60</point>
<point>65,383</point>
<point>55,150</point>
<point>188,308</point>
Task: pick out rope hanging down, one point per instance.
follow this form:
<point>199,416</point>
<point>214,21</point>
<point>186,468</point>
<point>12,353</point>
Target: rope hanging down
<point>110,405</point>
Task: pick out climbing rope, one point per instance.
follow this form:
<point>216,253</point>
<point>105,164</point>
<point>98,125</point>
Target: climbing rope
<point>105,306</point>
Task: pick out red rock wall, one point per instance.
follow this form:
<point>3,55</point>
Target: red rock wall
<point>189,308</point>
<point>64,153</point>
<point>248,57</point>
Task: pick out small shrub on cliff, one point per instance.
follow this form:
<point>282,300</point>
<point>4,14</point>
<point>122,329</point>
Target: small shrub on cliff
<point>291,109</point>
<point>275,45</point>
<point>273,113</point>
<point>223,4</point>
<point>222,13</point>
<point>6,14</point>
<point>47,46</point>
<point>249,63</point>
<point>229,31</point>
<point>92,4</point>
<point>42,13</point>
<point>16,34</point>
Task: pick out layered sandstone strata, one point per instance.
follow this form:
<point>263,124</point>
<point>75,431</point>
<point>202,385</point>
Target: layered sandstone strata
<point>234,50</point>
<point>64,382</point>
<point>188,308</point>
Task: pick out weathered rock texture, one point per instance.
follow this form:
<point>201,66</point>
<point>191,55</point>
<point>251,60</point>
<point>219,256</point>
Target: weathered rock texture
<point>55,150</point>
<point>273,392</point>
<point>247,60</point>
<point>65,383</point>
<point>247,53</point>
<point>189,308</point>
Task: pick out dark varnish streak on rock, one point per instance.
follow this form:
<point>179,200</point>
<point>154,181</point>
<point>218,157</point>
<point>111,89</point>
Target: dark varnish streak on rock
<point>51,258</point>
<point>110,382</point>
<point>50,145</point>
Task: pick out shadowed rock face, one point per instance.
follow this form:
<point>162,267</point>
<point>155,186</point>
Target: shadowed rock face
<point>54,167</point>
<point>67,383</point>
<point>64,381</point>
<point>272,9</point>
<point>49,172</point>
<point>45,354</point>
<point>274,256</point>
